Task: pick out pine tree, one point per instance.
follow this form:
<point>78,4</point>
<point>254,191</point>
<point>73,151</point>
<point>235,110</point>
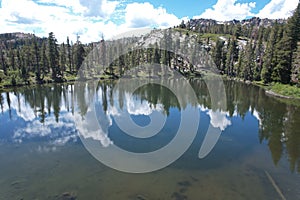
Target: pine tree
<point>282,70</point>
<point>103,53</point>
<point>268,66</point>
<point>12,58</point>
<point>70,60</point>
<point>19,59</point>
<point>296,65</point>
<point>231,56</point>
<point>3,62</point>
<point>293,28</point>
<point>237,31</point>
<point>44,59</point>
<point>37,60</point>
<point>53,56</point>
<point>294,32</point>
<point>239,66</point>
<point>217,53</point>
<point>259,52</point>
<point>248,62</point>
<point>79,55</point>
<point>63,58</point>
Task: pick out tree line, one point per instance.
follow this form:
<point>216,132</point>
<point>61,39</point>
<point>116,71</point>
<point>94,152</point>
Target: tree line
<point>250,52</point>
<point>39,60</point>
<point>270,54</point>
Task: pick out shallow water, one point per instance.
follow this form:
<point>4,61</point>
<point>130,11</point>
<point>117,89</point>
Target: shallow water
<point>43,157</point>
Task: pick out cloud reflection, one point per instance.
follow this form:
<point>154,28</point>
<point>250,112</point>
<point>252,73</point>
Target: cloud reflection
<point>137,107</point>
<point>218,119</point>
<point>57,133</point>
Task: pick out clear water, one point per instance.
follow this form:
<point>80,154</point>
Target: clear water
<point>42,157</point>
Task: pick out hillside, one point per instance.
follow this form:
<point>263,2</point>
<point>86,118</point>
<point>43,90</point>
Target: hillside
<point>253,49</point>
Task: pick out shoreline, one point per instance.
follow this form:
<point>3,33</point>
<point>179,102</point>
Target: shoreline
<point>268,90</point>
<point>272,93</point>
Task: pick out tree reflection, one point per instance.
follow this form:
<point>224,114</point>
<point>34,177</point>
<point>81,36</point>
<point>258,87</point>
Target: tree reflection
<point>278,121</point>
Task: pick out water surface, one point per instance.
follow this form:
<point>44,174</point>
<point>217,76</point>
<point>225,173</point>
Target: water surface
<point>42,156</point>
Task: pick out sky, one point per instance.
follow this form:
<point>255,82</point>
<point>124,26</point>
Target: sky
<point>92,19</point>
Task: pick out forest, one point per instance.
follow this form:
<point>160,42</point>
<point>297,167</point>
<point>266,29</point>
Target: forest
<point>266,52</point>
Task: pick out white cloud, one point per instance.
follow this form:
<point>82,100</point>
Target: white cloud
<point>145,15</point>
<point>276,9</point>
<point>102,8</point>
<point>64,18</point>
<point>90,19</point>
<point>74,5</point>
<point>227,10</point>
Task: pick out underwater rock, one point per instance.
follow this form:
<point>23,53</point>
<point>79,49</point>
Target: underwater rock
<point>67,196</point>
<point>178,196</point>
<point>184,183</point>
<point>141,197</point>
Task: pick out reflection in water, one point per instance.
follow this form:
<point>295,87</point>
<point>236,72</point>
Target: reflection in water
<point>46,109</point>
<point>46,114</point>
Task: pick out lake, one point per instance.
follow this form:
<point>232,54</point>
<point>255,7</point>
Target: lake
<point>45,156</point>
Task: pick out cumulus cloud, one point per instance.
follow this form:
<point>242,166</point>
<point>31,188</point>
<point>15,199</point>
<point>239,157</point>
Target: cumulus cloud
<point>64,18</point>
<point>278,9</point>
<point>90,19</point>
<point>227,10</point>
<point>96,8</point>
<point>144,15</point>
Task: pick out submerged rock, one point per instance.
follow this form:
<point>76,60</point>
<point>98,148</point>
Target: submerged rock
<point>184,183</point>
<point>67,196</point>
<point>141,197</point>
<point>178,196</point>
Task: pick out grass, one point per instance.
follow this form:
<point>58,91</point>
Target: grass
<point>289,91</point>
<point>285,90</point>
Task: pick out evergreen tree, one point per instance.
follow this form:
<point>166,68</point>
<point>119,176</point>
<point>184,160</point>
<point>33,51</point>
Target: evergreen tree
<point>268,66</point>
<point>217,53</point>
<point>239,67</point>
<point>70,61</point>
<point>103,53</point>
<point>37,60</point>
<point>248,62</point>
<point>19,59</point>
<point>293,31</point>
<point>63,58</point>
<point>53,56</point>
<point>79,55</point>
<point>238,31</point>
<point>282,70</point>
<point>12,58</point>
<point>3,62</point>
<point>296,65</point>
<point>259,52</point>
<point>293,28</point>
<point>231,56</point>
<point>44,59</point>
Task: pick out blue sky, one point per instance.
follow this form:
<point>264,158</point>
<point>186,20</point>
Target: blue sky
<point>92,18</point>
